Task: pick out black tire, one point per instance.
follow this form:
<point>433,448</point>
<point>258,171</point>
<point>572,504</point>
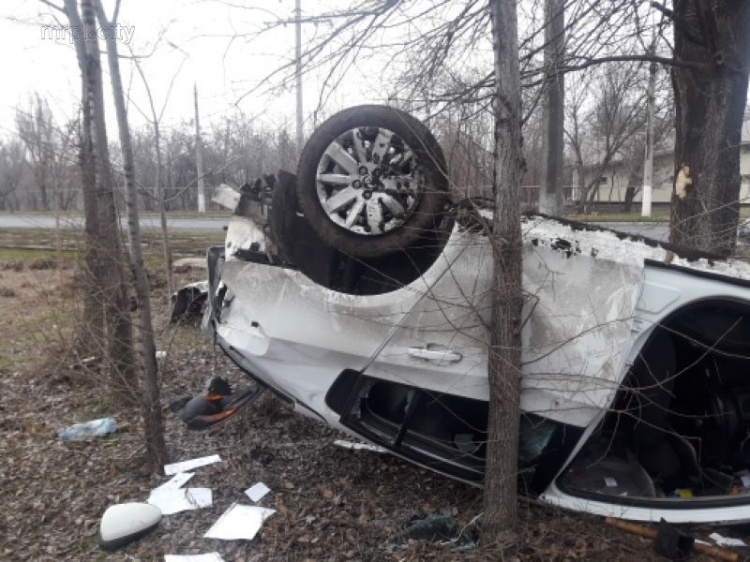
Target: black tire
<point>387,211</point>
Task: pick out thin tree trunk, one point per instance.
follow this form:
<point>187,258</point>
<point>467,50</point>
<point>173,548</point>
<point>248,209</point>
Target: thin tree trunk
<point>159,183</point>
<point>116,302</point>
<point>163,211</point>
<point>199,156</point>
<point>553,126</point>
<point>152,413</point>
<point>91,337</point>
<point>710,105</point>
<point>500,493</point>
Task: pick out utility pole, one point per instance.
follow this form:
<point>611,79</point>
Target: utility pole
<point>199,156</point>
<point>648,165</point>
<point>551,197</point>
<point>298,71</point>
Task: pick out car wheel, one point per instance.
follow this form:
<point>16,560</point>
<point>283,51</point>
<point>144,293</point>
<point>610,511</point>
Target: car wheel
<point>372,180</point>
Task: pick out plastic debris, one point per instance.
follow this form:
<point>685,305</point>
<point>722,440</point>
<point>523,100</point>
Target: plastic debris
<point>671,543</point>
<point>433,528</point>
<point>89,430</point>
<point>171,500</point>
<point>184,466</point>
<point>226,196</point>
<point>653,534</point>
<point>257,492</point>
<point>359,446</point>
<point>210,557</point>
<point>239,522</point>
<point>126,522</point>
<point>726,541</point>
<point>161,354</point>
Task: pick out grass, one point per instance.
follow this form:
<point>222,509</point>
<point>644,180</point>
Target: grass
<point>209,214</point>
<point>659,216</point>
<point>24,244</point>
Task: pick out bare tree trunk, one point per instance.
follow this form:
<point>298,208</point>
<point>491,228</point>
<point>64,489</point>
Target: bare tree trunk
<point>116,302</point>
<point>551,185</point>
<point>163,210</point>
<point>199,156</point>
<point>156,448</point>
<point>155,118</point>
<point>91,337</point>
<point>710,105</point>
<point>500,493</point>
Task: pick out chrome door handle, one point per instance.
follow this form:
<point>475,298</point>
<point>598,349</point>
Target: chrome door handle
<point>435,354</point>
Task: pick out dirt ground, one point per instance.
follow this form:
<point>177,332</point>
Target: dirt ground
<point>332,504</point>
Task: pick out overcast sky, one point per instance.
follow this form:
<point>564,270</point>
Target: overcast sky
<point>199,44</point>
<point>215,44</point>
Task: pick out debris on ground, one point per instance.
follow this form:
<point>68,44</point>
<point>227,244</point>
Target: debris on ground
<point>359,446</point>
<point>175,500</point>
<point>257,492</point>
<point>177,481</point>
<point>187,303</point>
<point>239,522</point>
<point>184,466</point>
<point>726,541</point>
<point>126,522</point>
<point>671,543</point>
<point>89,430</point>
<point>431,528</point>
<point>210,557</point>
<point>216,404</point>
<point>188,263</point>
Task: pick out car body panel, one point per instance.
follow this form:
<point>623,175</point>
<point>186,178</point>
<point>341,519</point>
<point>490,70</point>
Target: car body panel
<point>593,299</point>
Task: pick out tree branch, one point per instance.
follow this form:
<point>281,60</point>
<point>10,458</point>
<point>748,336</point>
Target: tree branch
<point>53,6</point>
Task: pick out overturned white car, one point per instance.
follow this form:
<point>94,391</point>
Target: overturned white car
<point>366,302</point>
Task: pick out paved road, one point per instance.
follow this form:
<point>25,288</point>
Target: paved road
<point>147,223</point>
<point>659,231</point>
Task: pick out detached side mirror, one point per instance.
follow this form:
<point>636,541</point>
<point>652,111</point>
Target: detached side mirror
<point>126,522</point>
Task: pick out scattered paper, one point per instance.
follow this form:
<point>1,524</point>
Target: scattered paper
<point>726,541</point>
<point>184,466</point>
<point>239,522</point>
<point>610,482</point>
<point>172,501</point>
<point>161,354</point>
<point>177,481</point>
<point>359,446</point>
<point>210,557</point>
<point>256,493</point>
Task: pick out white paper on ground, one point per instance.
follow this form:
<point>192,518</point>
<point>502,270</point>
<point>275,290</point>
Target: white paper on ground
<point>210,557</point>
<point>177,481</point>
<point>359,446</point>
<point>172,501</point>
<point>256,493</point>
<point>726,541</point>
<point>184,466</point>
<point>239,522</point>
